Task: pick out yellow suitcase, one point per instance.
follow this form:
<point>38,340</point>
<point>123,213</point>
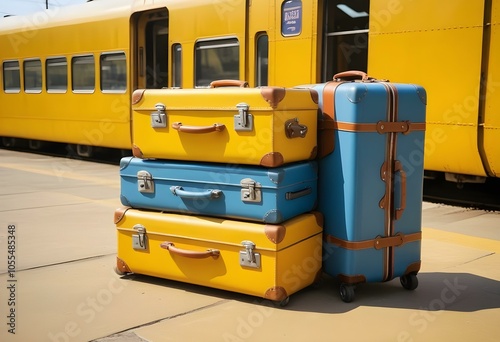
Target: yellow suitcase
<point>267,126</point>
<point>268,261</point>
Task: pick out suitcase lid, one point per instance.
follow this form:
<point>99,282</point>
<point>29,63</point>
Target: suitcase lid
<point>220,230</point>
<point>220,174</point>
<point>367,102</point>
<point>225,98</point>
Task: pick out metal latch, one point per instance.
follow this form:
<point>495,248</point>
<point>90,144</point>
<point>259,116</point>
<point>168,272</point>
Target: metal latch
<point>249,258</point>
<point>139,241</point>
<point>159,118</point>
<point>251,190</point>
<point>295,130</point>
<point>145,183</point>
<point>243,121</point>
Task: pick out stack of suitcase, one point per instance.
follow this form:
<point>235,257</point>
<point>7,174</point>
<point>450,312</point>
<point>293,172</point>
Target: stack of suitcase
<point>221,189</point>
<point>224,182</point>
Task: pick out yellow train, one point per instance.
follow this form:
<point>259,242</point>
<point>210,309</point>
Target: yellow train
<point>67,74</point>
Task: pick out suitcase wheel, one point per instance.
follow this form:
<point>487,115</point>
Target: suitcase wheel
<point>347,292</point>
<point>283,302</point>
<point>409,281</point>
<point>119,272</point>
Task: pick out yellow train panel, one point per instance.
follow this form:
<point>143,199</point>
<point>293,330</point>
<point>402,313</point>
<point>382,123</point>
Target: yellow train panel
<point>269,261</point>
<point>292,59</point>
<point>84,119</point>
<point>492,103</point>
<point>430,52</point>
<point>424,15</point>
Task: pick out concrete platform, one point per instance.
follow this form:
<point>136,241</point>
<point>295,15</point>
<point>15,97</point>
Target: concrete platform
<point>64,287</point>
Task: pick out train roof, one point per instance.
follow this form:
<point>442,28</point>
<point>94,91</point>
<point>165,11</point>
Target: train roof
<point>95,10</point>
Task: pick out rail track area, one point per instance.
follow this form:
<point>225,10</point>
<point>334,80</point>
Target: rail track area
<point>57,253</point>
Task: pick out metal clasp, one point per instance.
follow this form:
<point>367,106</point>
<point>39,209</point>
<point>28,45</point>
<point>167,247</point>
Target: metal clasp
<point>145,182</point>
<point>243,121</point>
<point>251,190</point>
<point>295,130</point>
<point>159,118</point>
<point>248,257</point>
<point>139,241</point>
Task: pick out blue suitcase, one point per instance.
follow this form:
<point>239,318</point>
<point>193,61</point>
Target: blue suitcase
<point>370,179</point>
<point>255,193</point>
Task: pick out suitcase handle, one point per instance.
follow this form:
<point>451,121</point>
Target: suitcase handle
<point>178,126</point>
<point>398,167</point>
<point>228,83</point>
<point>351,75</point>
<point>169,246</point>
<point>207,194</point>
<point>296,194</point>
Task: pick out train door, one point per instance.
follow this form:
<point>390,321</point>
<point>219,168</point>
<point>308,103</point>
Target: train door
<point>150,49</point>
<point>345,36</point>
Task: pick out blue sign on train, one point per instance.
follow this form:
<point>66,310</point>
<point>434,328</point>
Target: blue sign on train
<point>291,18</point>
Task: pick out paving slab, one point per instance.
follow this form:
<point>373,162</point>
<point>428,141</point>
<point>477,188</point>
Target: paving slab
<point>84,300</point>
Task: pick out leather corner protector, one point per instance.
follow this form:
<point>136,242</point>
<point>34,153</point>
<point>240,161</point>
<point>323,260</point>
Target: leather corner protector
<point>121,267</point>
<point>352,279</point>
<point>137,95</point>
<point>319,218</point>
<point>273,95</point>
<point>272,159</point>
<point>119,213</point>
<point>136,152</point>
<point>276,293</point>
<point>314,95</point>
<point>275,233</point>
<point>314,153</point>
<point>413,268</point>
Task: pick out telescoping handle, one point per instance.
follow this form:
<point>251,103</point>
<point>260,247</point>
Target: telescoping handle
<point>216,127</point>
<point>228,83</point>
<point>351,75</point>
<point>190,254</point>
<point>205,194</point>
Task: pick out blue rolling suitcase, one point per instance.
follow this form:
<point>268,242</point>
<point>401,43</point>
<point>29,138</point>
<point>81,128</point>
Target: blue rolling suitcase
<point>370,179</point>
<point>254,193</point>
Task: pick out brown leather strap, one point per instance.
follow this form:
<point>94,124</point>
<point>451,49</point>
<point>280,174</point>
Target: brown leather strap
<point>326,139</point>
<point>381,127</point>
<point>378,243</point>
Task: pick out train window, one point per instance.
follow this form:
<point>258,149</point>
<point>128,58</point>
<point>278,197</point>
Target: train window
<point>215,60</point>
<point>11,77</point>
<point>113,72</point>
<point>33,76</point>
<point>176,66</point>
<point>157,54</point>
<point>57,74</point>
<point>346,36</point>
<point>261,70</point>
<point>83,74</point>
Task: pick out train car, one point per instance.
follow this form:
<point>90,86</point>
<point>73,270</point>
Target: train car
<point>68,74</point>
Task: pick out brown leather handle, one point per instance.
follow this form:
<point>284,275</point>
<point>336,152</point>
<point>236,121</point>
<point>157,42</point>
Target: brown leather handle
<point>351,75</point>
<point>228,83</point>
<point>398,167</point>
<point>178,126</point>
<point>190,254</point>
